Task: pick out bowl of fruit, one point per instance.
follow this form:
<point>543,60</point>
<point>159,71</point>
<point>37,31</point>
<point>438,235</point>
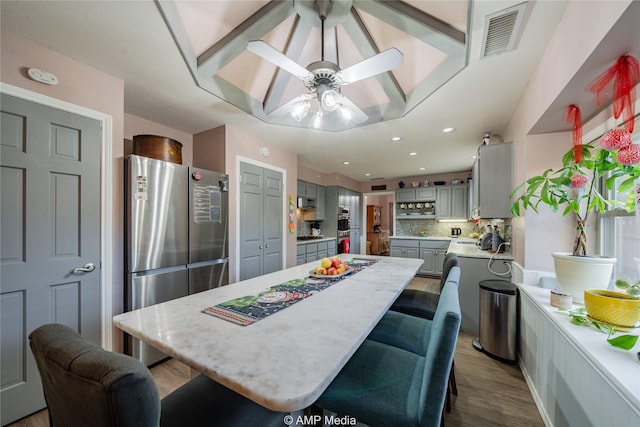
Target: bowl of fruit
<point>423,233</point>
<point>333,266</point>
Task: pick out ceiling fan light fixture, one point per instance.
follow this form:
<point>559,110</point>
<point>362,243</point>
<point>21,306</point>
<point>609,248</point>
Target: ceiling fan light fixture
<point>300,109</point>
<point>345,113</point>
<point>328,97</point>
<point>316,121</point>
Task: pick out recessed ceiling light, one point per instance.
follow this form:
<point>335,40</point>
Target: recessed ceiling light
<point>422,169</point>
<point>448,130</point>
<point>395,138</point>
<point>346,163</point>
<point>367,174</point>
<point>413,153</point>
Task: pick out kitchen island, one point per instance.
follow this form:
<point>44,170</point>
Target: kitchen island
<point>286,360</point>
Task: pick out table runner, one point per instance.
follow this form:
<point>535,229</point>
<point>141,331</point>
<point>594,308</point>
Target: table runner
<point>252,308</point>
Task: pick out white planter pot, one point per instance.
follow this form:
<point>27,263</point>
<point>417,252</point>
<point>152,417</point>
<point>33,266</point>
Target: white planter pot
<point>577,273</point>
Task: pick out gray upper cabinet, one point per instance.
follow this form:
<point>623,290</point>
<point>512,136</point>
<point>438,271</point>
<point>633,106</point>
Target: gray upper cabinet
<point>420,194</point>
<point>317,214</point>
<point>451,202</point>
<point>307,190</point>
<point>425,194</point>
<point>493,178</point>
<point>408,195</point>
<point>320,202</point>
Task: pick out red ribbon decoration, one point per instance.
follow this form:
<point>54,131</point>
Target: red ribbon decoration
<point>624,75</point>
<point>575,118</point>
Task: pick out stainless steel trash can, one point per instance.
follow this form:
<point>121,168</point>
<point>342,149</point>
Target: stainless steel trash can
<point>499,319</point>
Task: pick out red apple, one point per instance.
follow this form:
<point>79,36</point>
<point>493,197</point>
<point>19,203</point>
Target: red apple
<point>331,271</point>
<point>335,262</point>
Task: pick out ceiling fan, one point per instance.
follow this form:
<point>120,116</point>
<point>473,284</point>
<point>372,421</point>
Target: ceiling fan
<point>323,78</point>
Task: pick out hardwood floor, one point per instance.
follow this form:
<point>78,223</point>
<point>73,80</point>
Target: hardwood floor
<point>490,393</point>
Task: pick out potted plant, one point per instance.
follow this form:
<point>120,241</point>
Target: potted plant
<point>574,189</point>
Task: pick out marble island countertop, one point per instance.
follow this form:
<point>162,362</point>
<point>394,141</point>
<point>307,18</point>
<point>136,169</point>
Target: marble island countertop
<point>284,361</point>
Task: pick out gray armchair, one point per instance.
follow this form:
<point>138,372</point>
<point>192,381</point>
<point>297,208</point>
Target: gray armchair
<point>85,385</point>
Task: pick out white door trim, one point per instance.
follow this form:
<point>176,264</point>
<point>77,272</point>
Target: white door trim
<point>285,208</point>
<point>391,193</point>
<point>106,198</point>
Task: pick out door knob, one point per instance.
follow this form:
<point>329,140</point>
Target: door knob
<point>267,246</point>
<point>87,268</point>
<point>260,247</point>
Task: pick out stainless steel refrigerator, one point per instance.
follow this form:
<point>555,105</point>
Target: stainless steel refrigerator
<point>176,236</point>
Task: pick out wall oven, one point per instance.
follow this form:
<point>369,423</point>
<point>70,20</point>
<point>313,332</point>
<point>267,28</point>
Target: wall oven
<point>343,231</point>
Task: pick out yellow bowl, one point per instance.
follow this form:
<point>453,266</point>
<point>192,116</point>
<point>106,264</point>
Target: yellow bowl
<point>615,308</point>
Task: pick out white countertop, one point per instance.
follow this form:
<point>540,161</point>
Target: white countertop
<point>422,238</point>
<point>468,248</point>
<point>324,239</point>
<point>284,361</point>
<point>462,246</point>
<point>620,367</point>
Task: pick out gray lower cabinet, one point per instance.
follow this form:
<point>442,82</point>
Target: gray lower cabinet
<point>405,248</point>
<point>432,253</point>
<point>314,251</point>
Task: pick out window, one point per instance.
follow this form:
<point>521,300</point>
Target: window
<point>620,232</point>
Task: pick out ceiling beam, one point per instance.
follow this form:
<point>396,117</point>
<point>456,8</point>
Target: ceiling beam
<point>366,45</point>
<point>253,28</point>
<point>416,23</point>
<point>293,49</point>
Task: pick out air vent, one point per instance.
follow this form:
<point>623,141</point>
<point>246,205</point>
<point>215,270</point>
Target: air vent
<point>379,187</point>
<point>501,30</point>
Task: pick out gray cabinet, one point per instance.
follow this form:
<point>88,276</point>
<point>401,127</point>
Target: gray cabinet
<point>318,213</point>
<point>307,190</point>
<point>432,253</point>
<point>315,251</point>
<point>451,202</point>
<point>408,195</point>
<point>405,248</point>
<point>493,178</point>
<point>425,194</point>
<point>420,194</point>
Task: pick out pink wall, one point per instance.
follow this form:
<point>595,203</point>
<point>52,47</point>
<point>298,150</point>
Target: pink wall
<point>242,145</point>
<point>209,149</point>
<point>583,26</point>
<point>134,125</point>
<point>87,87</point>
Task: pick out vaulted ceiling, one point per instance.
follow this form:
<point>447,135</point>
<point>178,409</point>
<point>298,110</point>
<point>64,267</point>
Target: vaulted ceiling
<point>178,59</point>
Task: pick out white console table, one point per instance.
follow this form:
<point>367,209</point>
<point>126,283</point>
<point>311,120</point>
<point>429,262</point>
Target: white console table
<point>577,378</point>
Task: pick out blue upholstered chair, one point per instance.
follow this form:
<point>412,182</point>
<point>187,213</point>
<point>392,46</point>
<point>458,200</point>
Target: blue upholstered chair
<point>420,303</point>
<point>385,385</point>
<point>423,304</point>
<point>85,385</point>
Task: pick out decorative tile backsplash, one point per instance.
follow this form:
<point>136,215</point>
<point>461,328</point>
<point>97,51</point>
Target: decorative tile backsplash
<point>412,227</point>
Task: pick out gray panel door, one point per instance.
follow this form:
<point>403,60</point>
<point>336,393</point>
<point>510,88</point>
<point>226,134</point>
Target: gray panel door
<point>260,221</point>
<point>50,225</point>
<point>272,219</point>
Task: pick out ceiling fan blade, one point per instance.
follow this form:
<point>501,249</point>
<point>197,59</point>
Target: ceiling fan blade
<point>384,61</point>
<point>273,55</point>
